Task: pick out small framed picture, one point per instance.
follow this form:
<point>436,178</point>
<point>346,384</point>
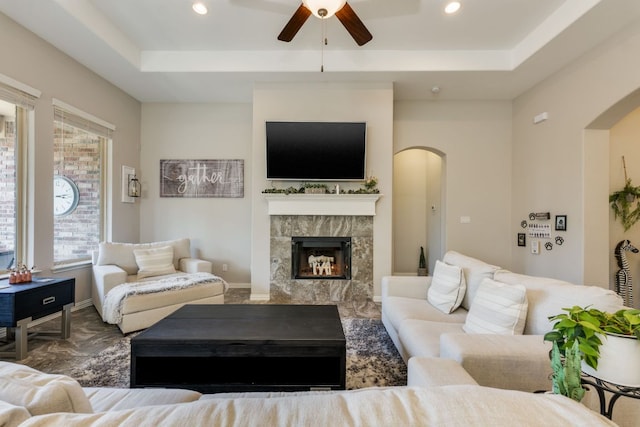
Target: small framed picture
<point>522,239</point>
<point>561,222</point>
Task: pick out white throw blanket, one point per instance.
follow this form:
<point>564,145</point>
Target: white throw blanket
<point>112,307</point>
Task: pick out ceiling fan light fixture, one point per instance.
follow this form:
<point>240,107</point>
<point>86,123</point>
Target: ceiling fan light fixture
<point>452,7</point>
<point>199,8</point>
<point>328,7</point>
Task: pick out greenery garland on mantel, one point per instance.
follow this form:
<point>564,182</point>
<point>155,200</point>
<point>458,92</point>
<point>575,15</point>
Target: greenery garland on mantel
<point>626,202</point>
<point>370,187</point>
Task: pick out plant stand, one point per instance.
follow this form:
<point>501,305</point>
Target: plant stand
<point>617,390</point>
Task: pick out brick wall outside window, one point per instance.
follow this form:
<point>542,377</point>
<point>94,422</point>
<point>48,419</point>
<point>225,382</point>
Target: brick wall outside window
<point>77,156</point>
<point>7,196</point>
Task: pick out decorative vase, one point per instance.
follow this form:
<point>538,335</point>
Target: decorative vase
<point>313,190</point>
<point>422,263</point>
<point>619,361</point>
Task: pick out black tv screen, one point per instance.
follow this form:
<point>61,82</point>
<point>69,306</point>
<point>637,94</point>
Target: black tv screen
<point>316,151</point>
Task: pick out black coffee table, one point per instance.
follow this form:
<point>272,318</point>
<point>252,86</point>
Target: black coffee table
<point>242,347</point>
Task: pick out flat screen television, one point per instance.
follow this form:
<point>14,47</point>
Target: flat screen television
<point>316,151</point>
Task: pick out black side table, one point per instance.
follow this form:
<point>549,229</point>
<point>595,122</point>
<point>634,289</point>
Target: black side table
<point>617,390</point>
<point>24,302</point>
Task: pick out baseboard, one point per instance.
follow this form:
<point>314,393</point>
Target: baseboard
<point>239,285</point>
<point>259,297</point>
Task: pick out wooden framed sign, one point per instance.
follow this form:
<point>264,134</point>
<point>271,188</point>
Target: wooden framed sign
<point>201,178</point>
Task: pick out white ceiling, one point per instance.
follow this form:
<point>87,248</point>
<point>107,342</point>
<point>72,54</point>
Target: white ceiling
<point>161,51</point>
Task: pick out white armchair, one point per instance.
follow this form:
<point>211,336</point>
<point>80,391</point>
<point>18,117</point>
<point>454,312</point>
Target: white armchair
<point>115,264</point>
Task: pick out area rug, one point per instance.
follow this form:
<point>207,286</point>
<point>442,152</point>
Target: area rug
<point>372,360</point>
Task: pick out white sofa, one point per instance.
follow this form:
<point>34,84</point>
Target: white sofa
<point>168,279</point>
<point>515,362</point>
<point>29,398</point>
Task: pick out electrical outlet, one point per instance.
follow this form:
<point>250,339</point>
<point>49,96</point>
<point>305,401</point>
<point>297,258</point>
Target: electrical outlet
<point>225,267</point>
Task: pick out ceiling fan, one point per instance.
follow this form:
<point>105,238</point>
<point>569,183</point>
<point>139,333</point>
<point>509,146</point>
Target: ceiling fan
<point>324,9</point>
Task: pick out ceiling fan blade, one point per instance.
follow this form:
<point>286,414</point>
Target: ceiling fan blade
<point>295,23</point>
<point>354,25</point>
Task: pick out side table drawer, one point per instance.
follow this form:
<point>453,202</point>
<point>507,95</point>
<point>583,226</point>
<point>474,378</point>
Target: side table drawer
<point>44,301</point>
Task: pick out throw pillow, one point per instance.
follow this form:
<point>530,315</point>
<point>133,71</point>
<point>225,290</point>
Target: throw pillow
<point>154,262</point>
<point>447,287</point>
<point>41,393</point>
<point>498,308</point>
<point>120,254</point>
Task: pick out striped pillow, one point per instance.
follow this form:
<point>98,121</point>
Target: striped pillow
<point>498,308</point>
<point>154,261</point>
<point>447,287</point>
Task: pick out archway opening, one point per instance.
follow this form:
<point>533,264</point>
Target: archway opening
<point>417,209</point>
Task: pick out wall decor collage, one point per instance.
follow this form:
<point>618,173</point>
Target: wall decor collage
<point>540,229</point>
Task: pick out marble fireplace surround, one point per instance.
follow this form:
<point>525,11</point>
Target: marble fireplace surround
<point>318,216</point>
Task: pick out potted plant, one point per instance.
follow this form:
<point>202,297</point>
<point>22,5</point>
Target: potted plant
<point>422,263</point>
<point>626,204</point>
<point>608,345</point>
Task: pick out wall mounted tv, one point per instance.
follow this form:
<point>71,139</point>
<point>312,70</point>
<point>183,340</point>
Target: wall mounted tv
<point>316,151</point>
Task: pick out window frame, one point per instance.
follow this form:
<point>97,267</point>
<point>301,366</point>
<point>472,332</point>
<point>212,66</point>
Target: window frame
<point>92,124</point>
<point>24,98</point>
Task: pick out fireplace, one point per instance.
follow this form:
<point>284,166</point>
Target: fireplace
<point>327,258</point>
<point>285,288</point>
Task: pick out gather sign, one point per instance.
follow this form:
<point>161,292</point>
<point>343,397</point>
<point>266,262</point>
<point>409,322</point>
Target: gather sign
<point>202,178</point>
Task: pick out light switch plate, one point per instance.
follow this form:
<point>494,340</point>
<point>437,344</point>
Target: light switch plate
<point>535,247</point>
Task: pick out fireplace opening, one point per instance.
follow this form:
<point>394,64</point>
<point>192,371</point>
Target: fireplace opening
<point>321,258</point>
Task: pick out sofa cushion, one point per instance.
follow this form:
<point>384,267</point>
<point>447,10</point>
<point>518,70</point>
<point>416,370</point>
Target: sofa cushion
<point>447,287</point>
<point>516,362</point>
<point>154,261</point>
<point>41,393</point>
<point>474,270</point>
<point>436,371</point>
<point>547,297</point>
<point>398,309</point>
<point>121,254</point>
<point>451,405</point>
<point>422,338</point>
<point>12,415</point>
<point>115,399</point>
<point>498,308</point>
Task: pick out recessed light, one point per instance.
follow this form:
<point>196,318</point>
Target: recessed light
<point>200,8</point>
<point>452,7</point>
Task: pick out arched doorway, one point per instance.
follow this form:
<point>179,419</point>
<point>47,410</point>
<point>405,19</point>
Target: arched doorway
<point>417,208</point>
<point>612,135</point>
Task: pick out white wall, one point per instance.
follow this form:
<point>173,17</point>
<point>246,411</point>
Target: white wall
<point>409,209</point>
<point>416,188</point>
<point>219,228</point>
<point>435,209</point>
<point>372,103</point>
<point>550,159</point>
<point>474,139</point>
<point>623,141</point>
<point>32,61</point>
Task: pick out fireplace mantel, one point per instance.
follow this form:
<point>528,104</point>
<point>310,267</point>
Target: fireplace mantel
<point>322,204</point>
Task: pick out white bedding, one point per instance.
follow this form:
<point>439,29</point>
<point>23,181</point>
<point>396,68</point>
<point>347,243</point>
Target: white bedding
<point>112,307</point>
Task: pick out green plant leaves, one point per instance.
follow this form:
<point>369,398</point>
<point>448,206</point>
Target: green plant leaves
<point>585,326</point>
<point>626,204</point>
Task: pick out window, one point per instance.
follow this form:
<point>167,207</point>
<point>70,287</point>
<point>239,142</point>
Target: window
<point>17,102</point>
<point>8,183</point>
<point>81,144</point>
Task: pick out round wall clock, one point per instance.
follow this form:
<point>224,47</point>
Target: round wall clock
<point>65,195</point>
